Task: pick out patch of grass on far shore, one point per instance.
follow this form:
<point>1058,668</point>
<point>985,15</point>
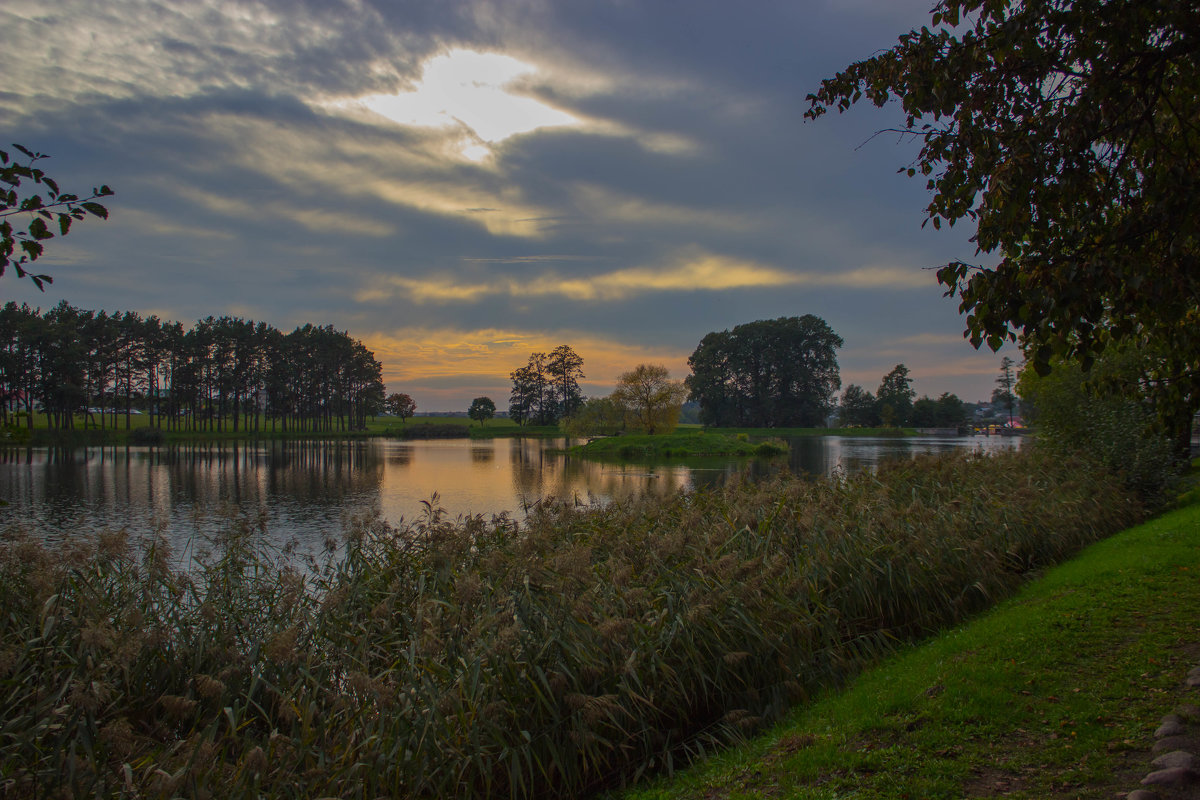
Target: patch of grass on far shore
<point>818,431</point>
<point>688,444</point>
<point>1054,694</point>
<point>89,433</point>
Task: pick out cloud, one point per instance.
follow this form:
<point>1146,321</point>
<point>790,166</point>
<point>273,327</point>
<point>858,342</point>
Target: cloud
<point>685,193</point>
<point>693,273</point>
<point>444,362</point>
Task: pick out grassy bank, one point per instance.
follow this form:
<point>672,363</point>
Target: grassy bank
<point>86,434</point>
<point>583,649</point>
<point>798,432</point>
<point>1054,694</point>
<point>678,444</point>
<point>141,432</point>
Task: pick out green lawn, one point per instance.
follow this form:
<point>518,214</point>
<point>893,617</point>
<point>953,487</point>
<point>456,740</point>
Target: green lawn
<point>1053,694</point>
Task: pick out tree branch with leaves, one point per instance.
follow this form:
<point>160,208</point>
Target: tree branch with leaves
<point>1067,132</point>
<point>47,206</point>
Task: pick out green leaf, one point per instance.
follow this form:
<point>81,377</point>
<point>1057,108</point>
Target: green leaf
<point>96,209</point>
<point>39,230</point>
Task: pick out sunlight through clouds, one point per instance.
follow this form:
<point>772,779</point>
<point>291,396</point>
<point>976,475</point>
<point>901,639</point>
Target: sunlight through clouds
<point>693,272</point>
<point>464,88</point>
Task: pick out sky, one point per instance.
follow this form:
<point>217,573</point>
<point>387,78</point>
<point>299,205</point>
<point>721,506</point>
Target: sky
<point>460,184</point>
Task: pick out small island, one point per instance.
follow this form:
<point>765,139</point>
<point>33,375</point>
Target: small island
<point>688,444</point>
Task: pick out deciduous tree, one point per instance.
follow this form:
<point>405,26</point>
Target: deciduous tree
<point>1067,132</point>
<point>858,408</point>
<point>598,416</point>
<point>769,373</point>
<point>482,409</point>
<point>650,398</point>
<point>400,405</point>
<point>947,411</point>
<point>895,397</point>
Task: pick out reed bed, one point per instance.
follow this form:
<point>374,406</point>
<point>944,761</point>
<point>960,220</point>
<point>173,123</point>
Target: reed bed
<point>473,657</point>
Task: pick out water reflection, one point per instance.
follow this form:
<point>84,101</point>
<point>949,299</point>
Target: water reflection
<point>303,489</point>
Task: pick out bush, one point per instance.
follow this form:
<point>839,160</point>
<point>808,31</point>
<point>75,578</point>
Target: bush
<point>15,433</point>
<point>772,447</point>
<point>1100,414</point>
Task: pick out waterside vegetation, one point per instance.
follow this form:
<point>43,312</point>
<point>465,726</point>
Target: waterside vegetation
<point>687,444</point>
<point>576,651</point>
<point>1053,694</point>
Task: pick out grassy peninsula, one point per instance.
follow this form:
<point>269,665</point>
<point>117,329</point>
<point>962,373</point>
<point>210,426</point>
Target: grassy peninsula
<point>681,444</point>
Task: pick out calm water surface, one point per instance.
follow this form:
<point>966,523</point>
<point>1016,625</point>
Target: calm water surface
<point>305,490</point>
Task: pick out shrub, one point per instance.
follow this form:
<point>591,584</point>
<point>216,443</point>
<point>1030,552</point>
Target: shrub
<point>1101,414</point>
<point>772,447</point>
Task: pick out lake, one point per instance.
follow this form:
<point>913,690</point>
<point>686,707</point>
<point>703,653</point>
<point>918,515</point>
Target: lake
<point>303,491</point>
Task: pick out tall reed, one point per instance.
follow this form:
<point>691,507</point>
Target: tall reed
<point>476,657</point>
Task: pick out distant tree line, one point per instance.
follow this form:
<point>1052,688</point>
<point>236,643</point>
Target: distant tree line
<point>894,405</point>
<point>223,373</point>
<point>766,374</point>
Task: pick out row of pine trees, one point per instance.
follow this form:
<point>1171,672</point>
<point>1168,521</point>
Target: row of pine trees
<point>225,373</point>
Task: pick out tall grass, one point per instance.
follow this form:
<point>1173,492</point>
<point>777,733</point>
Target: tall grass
<point>478,657</point>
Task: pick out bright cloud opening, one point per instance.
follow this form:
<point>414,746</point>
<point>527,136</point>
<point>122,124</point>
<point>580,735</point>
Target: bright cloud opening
<point>464,88</point>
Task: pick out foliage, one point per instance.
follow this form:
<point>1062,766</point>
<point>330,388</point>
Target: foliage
<point>769,373</point>
<point>948,411</point>
<point>1066,132</point>
<point>650,398</point>
<point>858,408</point>
<point>1103,412</point>
<point>476,658</point>
<point>895,397</point>
<point>59,208</point>
<point>547,388</point>
<point>400,405</point>
<point>482,409</point>
<point>598,416</point>
<point>222,372</point>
